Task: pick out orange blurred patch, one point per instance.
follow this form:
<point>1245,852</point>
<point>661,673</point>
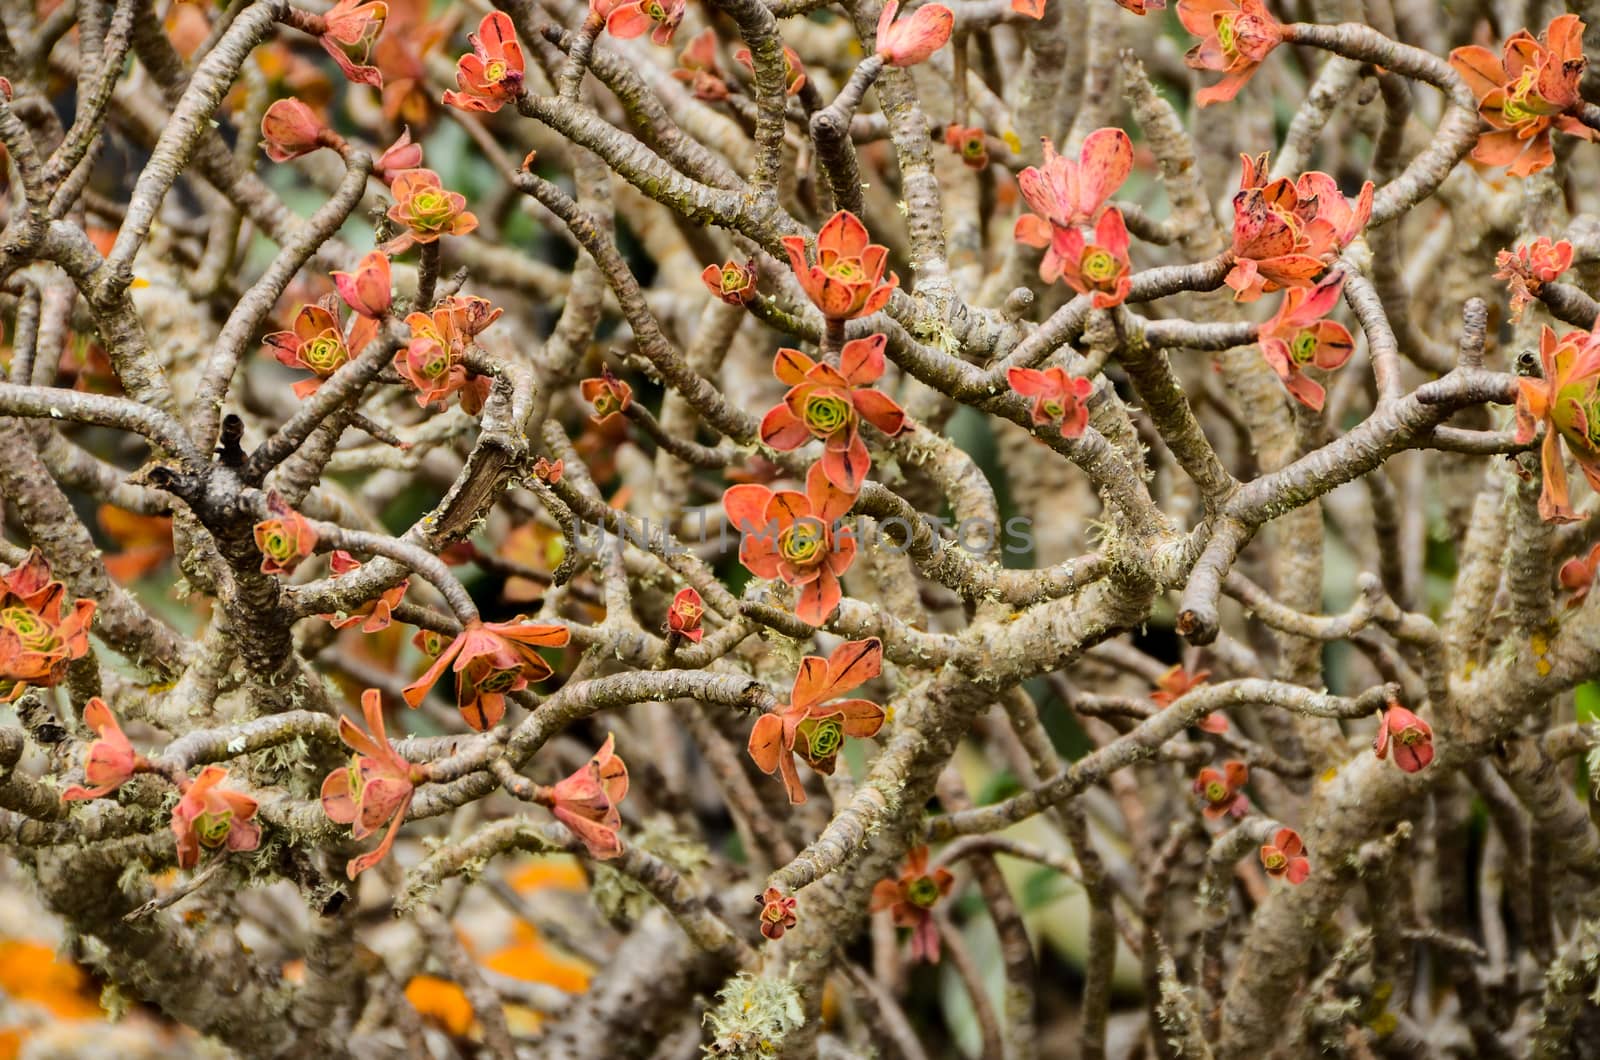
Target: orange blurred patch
<point>531,961</point>
<point>532,545</point>
<point>188,28</point>
<point>292,74</point>
<point>102,238</point>
<point>598,445</point>
<point>1005,194</point>
<point>146,542</point>
<point>830,1002</point>
<point>84,366</point>
<point>401,54</point>
<point>561,873</point>
<point>31,972</point>
<point>441,1003</point>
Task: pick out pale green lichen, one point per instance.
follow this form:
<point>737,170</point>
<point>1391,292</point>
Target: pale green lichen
<point>784,652</point>
<point>1172,1012</point>
<point>114,1002</point>
<point>620,897</point>
<point>752,1017</point>
<point>937,333</point>
<point>287,760</point>
<point>134,879</point>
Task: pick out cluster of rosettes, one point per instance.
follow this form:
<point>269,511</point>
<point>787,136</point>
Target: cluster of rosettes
<point>1524,94</point>
<point>827,401</point>
<point>789,534</point>
<point>433,361</point>
<point>40,634</point>
<point>909,898</point>
<point>1286,234</point>
<point>378,785</point>
<point>490,661</point>
<point>207,815</point>
<point>813,726</point>
<point>424,210</point>
<point>1564,400</point>
<point>795,536</point>
<point>1222,794</point>
<point>375,789</point>
<point>1068,194</point>
<point>1222,791</point>
<point>484,75</point>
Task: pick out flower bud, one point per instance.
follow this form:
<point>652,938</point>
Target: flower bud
<point>400,156</point>
<point>367,289</point>
<point>290,129</point>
